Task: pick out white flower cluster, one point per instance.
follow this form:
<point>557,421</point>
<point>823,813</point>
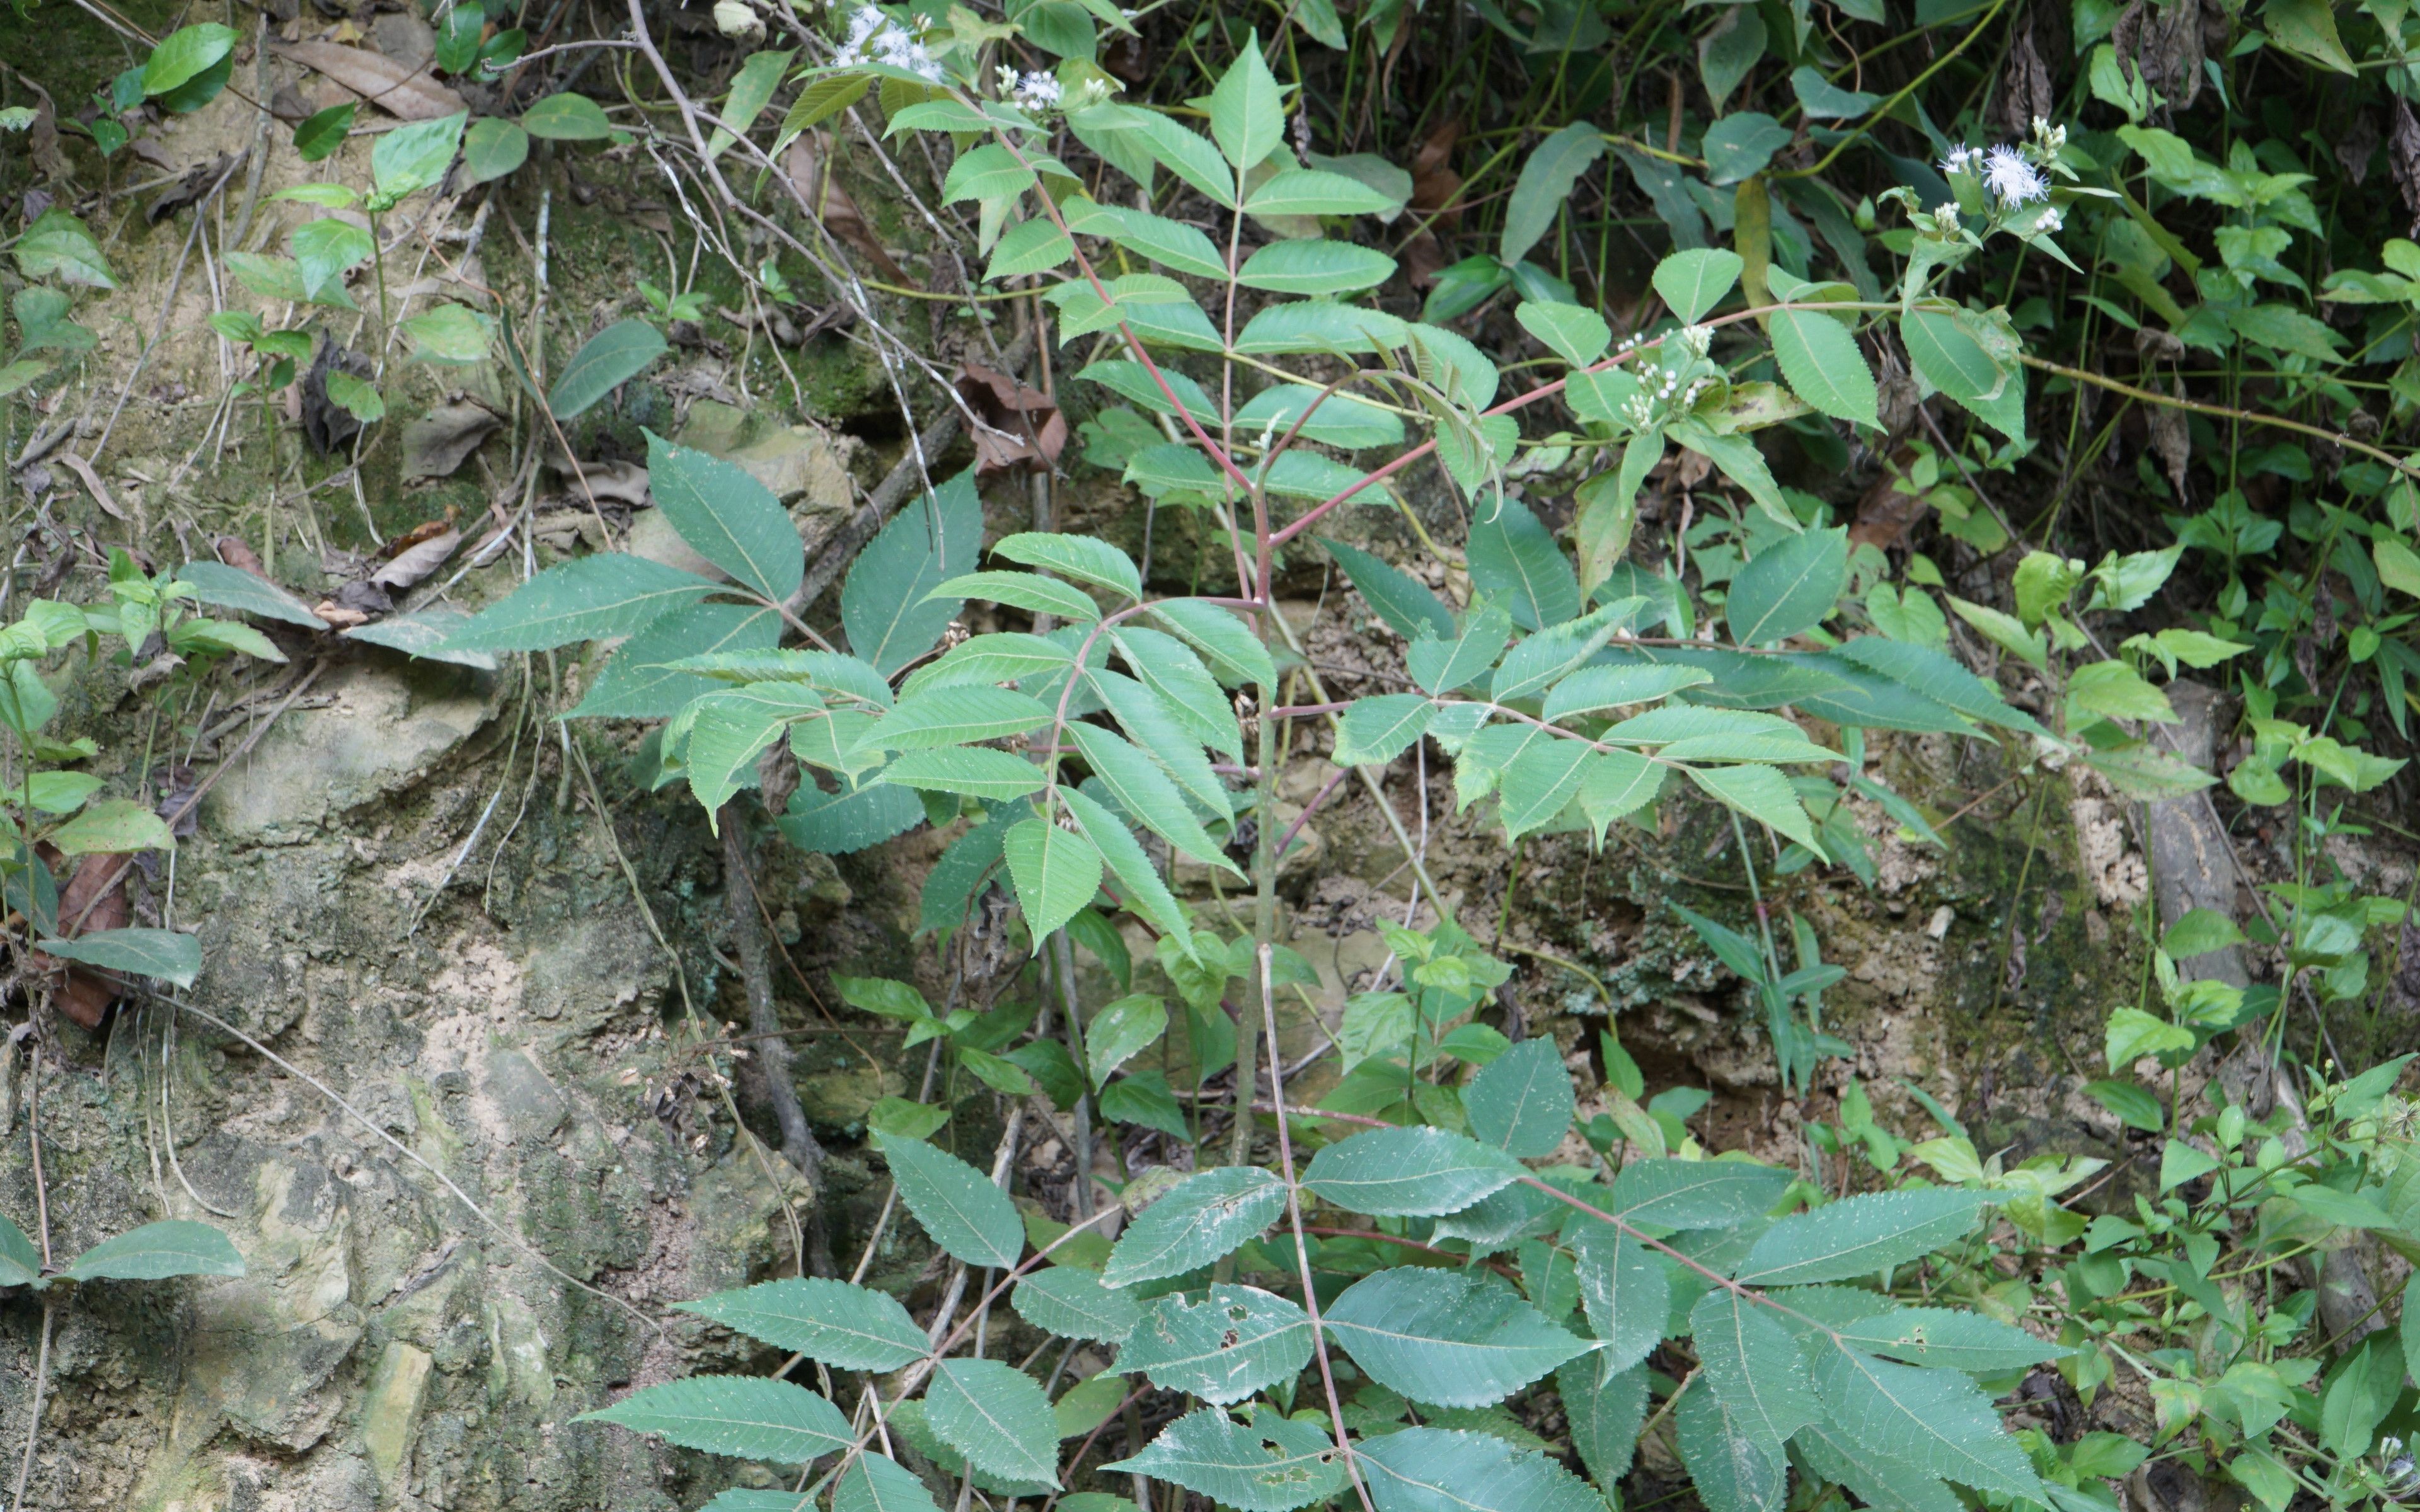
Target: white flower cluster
<point>2013,174</point>
<point>1034,91</point>
<point>874,37</point>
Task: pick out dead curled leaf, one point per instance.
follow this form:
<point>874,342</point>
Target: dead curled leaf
<point>402,91</point>
<point>439,442</point>
<point>86,908</point>
<point>804,164</point>
<point>1021,425</point>
<point>236,553</point>
<point>343,619</point>
<point>416,561</point>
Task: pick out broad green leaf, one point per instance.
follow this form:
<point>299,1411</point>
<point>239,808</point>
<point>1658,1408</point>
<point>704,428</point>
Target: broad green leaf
<point>955,716</point>
<point>1789,588</point>
<point>1056,871</point>
<point>1885,1484</point>
<point>1579,337</point>
<point>818,102</point>
<point>1592,690</point>
<point>185,55</point>
<point>1121,1031</point>
<point>1406,604</point>
<point>567,118</point>
<point>1732,1472</point>
<point>450,335</point>
<point>1754,1367</point>
<point>957,1205</point>
<point>639,682</point>
<point>1695,1193</point>
<point>1336,419</point>
<point>606,362</point>
<point>1949,1336</point>
<point>1186,154</point>
<point>1222,1348</point>
<point>1604,1413</point>
<point>592,598</point>
<point>1933,674</point>
<point>1414,1172</point>
<point>1514,559</point>
<point>1440,1470</point>
<point>155,1252</point>
<point>1315,268</point>
<point>1539,195</point>
<point>1937,1421</point>
<point>1191,696</point>
<point>990,172</point>
<point>751,90</point>
<point>117,825</point>
<point>838,824</point>
<point>1533,789</point>
<point>1947,356</point>
<point>1080,557</point>
<point>1025,591</point>
<point>1454,1339</point>
<point>166,954</point>
<point>493,148</point>
<point>57,244</point>
<point>1164,738</point>
<point>1314,192</point>
<point>1763,794</point>
<point>748,1417</point>
<point>1617,783</point>
<point>1542,658</point>
<point>974,771</point>
<point>1130,868</point>
<point>1169,244</point>
<point>1034,246</point>
<point>1248,110</point>
<point>1134,381</point>
<point>21,1264</point>
<point>886,606</point>
<point>722,511</point>
<point>995,1415</point>
<point>1145,792</point>
<point>415,156</point>
<point>234,588</point>
<point>1005,657</point>
<point>1224,641</point>
<point>1859,1236</point>
<point>1320,326</point>
<point>1821,360</point>
<point>1072,1303</point>
<point>1625,1292</point>
<point>832,1322</point>
<point>871,1483</point>
<point>1203,1218</point>
<point>1375,730</point>
<point>1693,281</point>
<point>324,250</point>
<point>1275,1465</point>
<point>1740,144</point>
<point>1736,458</point>
<point>1444,666</point>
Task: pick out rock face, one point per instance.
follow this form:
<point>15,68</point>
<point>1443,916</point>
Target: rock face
<point>389,1346</point>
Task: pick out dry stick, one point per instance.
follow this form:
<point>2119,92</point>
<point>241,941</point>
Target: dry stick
<point>2218,412</point>
<point>799,1143</point>
<point>407,1152</point>
<point>1301,1245</point>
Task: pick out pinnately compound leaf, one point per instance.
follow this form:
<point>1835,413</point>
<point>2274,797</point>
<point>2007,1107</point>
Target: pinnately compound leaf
<point>1415,1172</point>
<point>1223,1349</point>
<point>958,1206</point>
<point>1203,1218</point>
<point>1859,1236</point>
<point>995,1415</point>
<point>832,1322</point>
<point>1754,1368</point>
<point>1625,1292</point>
<point>748,1417</point>
<point>1455,1338</point>
<point>1936,1421</point>
<point>1436,1469</point>
<point>871,1484</point>
<point>1275,1465</point>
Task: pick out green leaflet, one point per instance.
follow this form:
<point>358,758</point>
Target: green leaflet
<point>1234,653</point>
<point>1731,1473</point>
<point>954,717</point>
<point>1074,1304</point>
<point>1171,244</point>
<point>748,1417</point>
<point>1056,871</point>
<point>1936,676</point>
<point>1627,1296</point>
<point>1789,588</point>
<point>1275,1465</point>
<point>1145,792</point>
<point>1455,1338</point>
<point>1536,785</point>
<point>1859,1236</point>
<point>1080,557</point>
<point>1314,191</point>
<point>1135,878</point>
<point>1693,282</point>
<point>886,605</point>
<point>1162,736</point>
<point>1554,165</point>
<point>1754,1368</point>
<point>1442,666</point>
<point>1820,358</point>
<point>976,771</point>
<point>1515,558</point>
<point>1884,1483</point>
<point>1409,1172</point>
<point>1406,604</point>
<point>871,1483</point>
<point>1315,268</point>
<point>156,1252</point>
<point>1247,111</point>
<point>1604,1413</point>
<point>1695,1193</point>
<point>995,1415</point>
<point>1540,658</point>
<point>1184,153</point>
<point>1331,419</point>
<point>1025,591</point>
<point>610,359</point>
<point>1522,1101</point>
<point>1947,1336</point>
<point>726,514</point>
<point>1119,1030</point>
<point>957,1205</point>
<point>1934,1420</point>
<point>592,598</point>
<point>1591,690</point>
<point>1764,795</point>
<point>1221,1348</point>
<point>1378,729</point>
<point>1002,657</point>
<point>1437,1469</point>
<point>1201,1219</point>
<point>1192,697</point>
<point>846,1327</point>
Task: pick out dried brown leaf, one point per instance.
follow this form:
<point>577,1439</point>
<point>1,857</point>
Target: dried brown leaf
<point>417,562</point>
<point>806,163</point>
<point>402,91</point>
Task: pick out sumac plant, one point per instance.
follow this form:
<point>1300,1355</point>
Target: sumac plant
<point>1080,756</point>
